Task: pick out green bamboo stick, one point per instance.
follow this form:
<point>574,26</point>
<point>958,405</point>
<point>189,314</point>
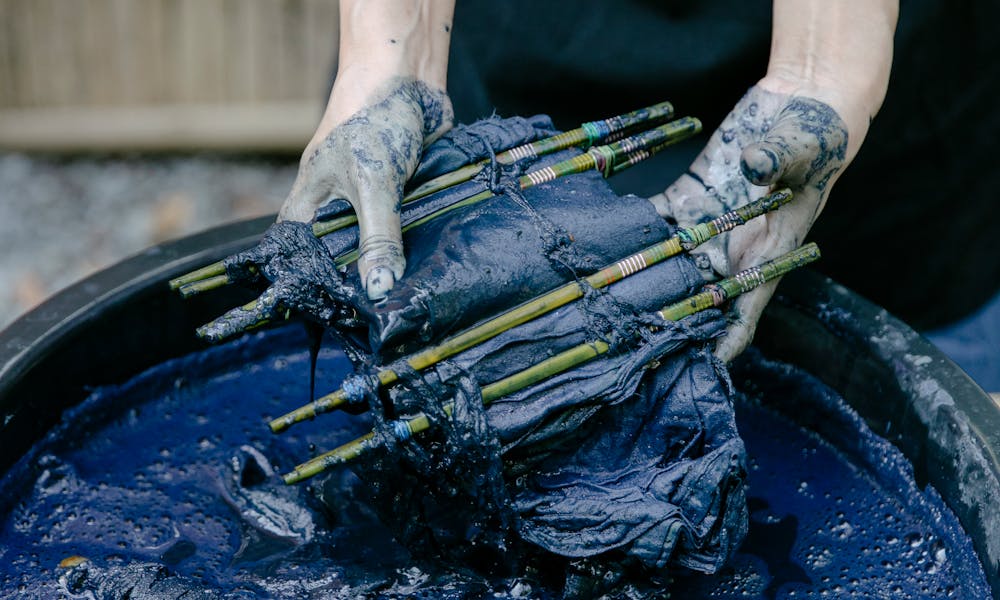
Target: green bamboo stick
<point>210,283</point>
<point>744,281</point>
<point>406,428</point>
<point>214,276</point>
<point>685,239</point>
<point>603,158</point>
<point>720,292</point>
<point>213,270</point>
<point>588,133</point>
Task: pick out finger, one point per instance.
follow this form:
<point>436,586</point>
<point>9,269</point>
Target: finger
<point>380,249</point>
<point>242,318</point>
<point>768,239</point>
<point>806,136</point>
<point>688,202</point>
<point>246,265</point>
<point>743,316</point>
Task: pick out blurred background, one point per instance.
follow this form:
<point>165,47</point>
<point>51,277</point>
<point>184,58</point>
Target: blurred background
<point>125,123</point>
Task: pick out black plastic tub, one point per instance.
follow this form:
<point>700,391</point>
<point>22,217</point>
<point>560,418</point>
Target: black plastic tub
<point>124,320</point>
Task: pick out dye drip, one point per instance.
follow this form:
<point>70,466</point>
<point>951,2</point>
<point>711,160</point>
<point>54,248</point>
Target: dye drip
<point>315,334</point>
<point>167,485</point>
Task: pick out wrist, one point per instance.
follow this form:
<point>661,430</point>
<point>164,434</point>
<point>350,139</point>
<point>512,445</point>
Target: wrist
<point>397,38</point>
<point>425,109</point>
<point>371,65</point>
<point>839,53</point>
<point>385,41</point>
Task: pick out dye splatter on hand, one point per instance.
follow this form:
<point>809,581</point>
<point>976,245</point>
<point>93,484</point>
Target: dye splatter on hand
<point>768,141</point>
<point>366,160</point>
<point>304,280</point>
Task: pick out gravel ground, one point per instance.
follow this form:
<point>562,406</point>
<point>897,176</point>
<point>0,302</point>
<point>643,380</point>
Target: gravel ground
<point>62,219</point>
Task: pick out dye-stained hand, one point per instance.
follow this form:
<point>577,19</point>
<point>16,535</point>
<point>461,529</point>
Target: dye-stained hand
<point>769,140</point>
<point>366,159</point>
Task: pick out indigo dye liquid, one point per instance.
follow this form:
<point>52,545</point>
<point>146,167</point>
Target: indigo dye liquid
<point>167,482</point>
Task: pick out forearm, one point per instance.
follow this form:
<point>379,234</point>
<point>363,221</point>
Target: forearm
<point>385,39</point>
<point>837,52</point>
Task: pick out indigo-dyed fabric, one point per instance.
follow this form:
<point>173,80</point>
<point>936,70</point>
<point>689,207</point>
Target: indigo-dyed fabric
<point>503,251</point>
<point>463,145</point>
<point>633,455</point>
<point>630,458</point>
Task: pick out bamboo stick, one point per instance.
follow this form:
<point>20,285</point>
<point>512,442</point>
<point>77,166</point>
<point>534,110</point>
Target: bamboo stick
<point>204,285</point>
<point>213,270</point>
<point>718,293</point>
<point>685,239</point>
<point>586,135</point>
<point>406,428</point>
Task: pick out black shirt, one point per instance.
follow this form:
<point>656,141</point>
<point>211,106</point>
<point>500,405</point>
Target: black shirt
<point>912,222</point>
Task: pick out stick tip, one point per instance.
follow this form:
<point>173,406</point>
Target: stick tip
<point>811,251</point>
<point>213,270</point>
<point>306,470</point>
<point>782,196</point>
<point>194,288</point>
<point>300,414</point>
<point>281,423</point>
<point>210,333</point>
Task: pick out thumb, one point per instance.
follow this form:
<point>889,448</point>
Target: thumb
<point>380,243</point>
<point>797,146</point>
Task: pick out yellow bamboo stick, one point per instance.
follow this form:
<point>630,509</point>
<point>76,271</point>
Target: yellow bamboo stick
<point>714,295</point>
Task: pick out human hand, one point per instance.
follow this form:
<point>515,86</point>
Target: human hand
<point>771,139</point>
<point>366,160</point>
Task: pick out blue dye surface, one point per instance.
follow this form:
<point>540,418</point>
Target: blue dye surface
<point>176,468</point>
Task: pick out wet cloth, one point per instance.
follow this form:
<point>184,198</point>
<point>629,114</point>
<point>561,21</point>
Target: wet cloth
<point>632,457</point>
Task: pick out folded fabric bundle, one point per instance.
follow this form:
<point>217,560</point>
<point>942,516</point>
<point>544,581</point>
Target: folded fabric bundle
<point>633,455</point>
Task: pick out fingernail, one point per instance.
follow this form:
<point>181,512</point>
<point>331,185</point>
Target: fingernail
<point>760,165</point>
<point>378,283</point>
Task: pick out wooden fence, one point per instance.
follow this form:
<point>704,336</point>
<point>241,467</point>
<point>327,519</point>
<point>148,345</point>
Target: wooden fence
<point>164,74</point>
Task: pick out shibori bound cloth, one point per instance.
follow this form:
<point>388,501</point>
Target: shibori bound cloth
<point>633,455</point>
